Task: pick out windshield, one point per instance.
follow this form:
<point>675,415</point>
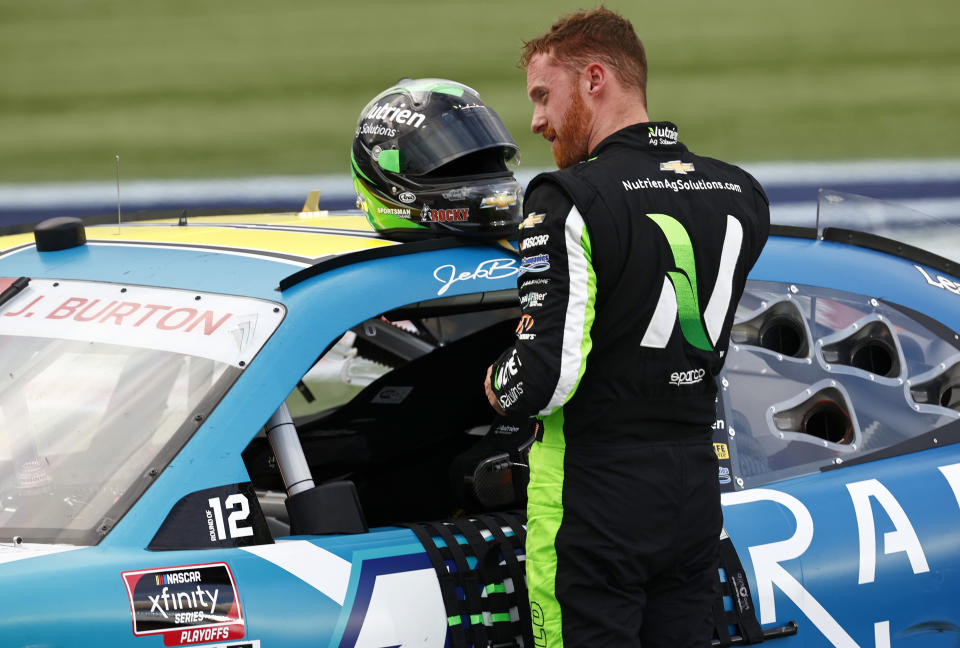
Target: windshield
<point>839,210</point>
<point>100,385</point>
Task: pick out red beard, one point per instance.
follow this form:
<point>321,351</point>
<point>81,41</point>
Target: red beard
<point>570,145</point>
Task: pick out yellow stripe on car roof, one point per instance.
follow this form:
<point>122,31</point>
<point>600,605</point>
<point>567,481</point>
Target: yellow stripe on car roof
<point>308,235</point>
<point>302,219</point>
<point>309,245</point>
<point>13,240</point>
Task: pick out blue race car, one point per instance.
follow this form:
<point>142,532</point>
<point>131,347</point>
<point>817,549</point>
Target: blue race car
<point>270,431</point>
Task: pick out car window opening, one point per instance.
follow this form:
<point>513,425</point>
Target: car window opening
<point>399,415</point>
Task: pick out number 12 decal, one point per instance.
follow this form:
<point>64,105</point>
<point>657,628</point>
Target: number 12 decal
<point>238,501</point>
<point>222,516</point>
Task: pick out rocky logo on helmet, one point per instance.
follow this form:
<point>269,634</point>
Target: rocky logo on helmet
<point>444,215</point>
<point>396,114</point>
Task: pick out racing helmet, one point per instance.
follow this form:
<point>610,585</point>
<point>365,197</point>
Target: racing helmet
<point>429,157</point>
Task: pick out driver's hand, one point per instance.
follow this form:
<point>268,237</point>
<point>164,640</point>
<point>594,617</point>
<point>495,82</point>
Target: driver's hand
<point>490,395</point>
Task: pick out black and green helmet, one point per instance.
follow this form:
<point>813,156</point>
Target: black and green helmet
<point>429,157</point>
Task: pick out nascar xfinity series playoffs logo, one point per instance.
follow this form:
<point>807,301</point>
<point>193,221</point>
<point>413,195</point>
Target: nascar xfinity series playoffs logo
<point>186,604</point>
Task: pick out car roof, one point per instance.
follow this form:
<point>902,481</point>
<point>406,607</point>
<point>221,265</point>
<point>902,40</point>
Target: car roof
<point>255,254</point>
<point>239,254</point>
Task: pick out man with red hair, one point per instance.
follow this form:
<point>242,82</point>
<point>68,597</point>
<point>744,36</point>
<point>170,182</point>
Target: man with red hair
<point>634,255</point>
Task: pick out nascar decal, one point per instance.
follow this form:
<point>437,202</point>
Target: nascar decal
<point>225,516</point>
<point>185,604</point>
<point>534,241</point>
<point>493,269</point>
<point>224,328</point>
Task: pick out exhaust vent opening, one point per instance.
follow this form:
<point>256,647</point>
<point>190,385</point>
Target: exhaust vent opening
<point>824,415</point>
<point>950,397</point>
<point>828,421</point>
<point>779,328</point>
<point>871,349</point>
<point>943,389</point>
<point>876,357</point>
<point>782,335</point>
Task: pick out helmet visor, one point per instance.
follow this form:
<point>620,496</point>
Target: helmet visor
<point>458,131</point>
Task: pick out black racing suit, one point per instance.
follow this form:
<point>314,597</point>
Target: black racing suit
<point>631,267</point>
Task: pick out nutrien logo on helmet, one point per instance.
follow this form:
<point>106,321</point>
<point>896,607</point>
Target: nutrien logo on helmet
<point>444,215</point>
<point>396,114</point>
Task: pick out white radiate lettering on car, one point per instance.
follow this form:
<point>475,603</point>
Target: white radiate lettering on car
<point>766,560</point>
<point>881,634</point>
<point>952,474</point>
<point>904,538</point>
<point>395,618</point>
<point>323,570</point>
<point>224,328</point>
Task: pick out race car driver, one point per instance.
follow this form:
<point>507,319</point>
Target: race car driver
<point>633,256</point>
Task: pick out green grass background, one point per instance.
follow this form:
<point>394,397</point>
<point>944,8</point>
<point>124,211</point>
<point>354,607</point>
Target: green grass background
<point>214,88</point>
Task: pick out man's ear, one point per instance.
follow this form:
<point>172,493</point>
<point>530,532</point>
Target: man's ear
<point>595,77</point>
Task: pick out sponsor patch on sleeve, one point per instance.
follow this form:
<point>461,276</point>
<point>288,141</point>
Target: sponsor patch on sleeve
<point>722,451</point>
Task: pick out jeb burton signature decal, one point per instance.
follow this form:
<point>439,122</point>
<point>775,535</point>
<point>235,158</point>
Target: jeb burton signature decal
<point>489,269</point>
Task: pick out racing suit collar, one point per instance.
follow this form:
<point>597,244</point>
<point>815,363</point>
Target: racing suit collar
<point>645,135</point>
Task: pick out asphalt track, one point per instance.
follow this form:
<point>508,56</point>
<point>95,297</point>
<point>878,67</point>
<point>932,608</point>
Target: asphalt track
<point>930,186</point>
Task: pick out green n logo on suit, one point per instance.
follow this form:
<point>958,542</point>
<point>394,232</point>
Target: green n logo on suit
<point>679,297</point>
